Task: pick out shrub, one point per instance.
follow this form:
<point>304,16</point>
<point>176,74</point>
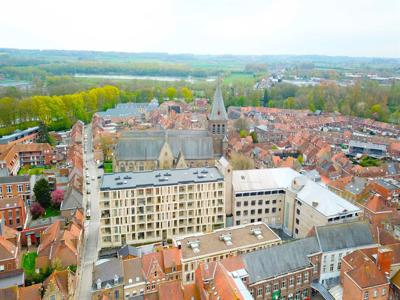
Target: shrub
<point>57,197</point>
<point>37,210</point>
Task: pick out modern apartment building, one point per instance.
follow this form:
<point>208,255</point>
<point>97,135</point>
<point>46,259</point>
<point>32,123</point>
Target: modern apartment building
<point>221,244</point>
<point>158,205</point>
<point>284,198</point>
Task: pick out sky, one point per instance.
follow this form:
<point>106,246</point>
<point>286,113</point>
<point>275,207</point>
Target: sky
<point>326,27</point>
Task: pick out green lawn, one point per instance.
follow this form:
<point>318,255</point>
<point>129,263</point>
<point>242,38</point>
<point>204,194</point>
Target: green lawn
<point>51,212</point>
<point>31,171</point>
<point>28,263</point>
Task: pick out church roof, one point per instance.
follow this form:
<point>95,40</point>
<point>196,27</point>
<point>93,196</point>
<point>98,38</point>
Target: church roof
<point>146,145</point>
<point>218,112</point>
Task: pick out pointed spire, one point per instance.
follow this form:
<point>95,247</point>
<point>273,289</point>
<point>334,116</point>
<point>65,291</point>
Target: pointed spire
<point>218,111</point>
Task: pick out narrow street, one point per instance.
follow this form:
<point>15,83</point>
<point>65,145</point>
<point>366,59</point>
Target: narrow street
<point>90,201</point>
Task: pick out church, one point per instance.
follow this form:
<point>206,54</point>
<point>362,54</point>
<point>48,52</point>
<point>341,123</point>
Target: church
<point>168,149</point>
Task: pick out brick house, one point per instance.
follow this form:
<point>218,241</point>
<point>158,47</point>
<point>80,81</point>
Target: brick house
<point>60,285</point>
<point>14,186</point>
<point>9,160</point>
<point>37,154</point>
<point>377,212</point>
<point>12,211</point>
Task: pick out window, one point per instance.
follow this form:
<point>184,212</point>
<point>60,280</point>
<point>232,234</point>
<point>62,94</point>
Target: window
<point>259,292</point>
<point>238,213</point>
<point>260,202</point>
<point>267,202</point>
<point>276,286</point>
<point>366,295</point>
<point>283,284</point>
<point>238,204</point>
<point>323,268</point>
<point>299,279</point>
<point>259,211</point>
<point>298,211</point>
<point>297,221</point>
<point>291,281</point>
<point>273,201</point>
<point>267,210</point>
<point>8,188</point>
<point>19,188</point>
<point>116,294</point>
<point>305,293</point>
<point>331,268</point>
<point>52,297</point>
<point>253,202</point>
<point>383,292</point>
<point>274,209</point>
<point>267,289</point>
<point>1,268</point>
<point>332,257</point>
<point>306,277</point>
<point>253,212</point>
<point>339,265</point>
<point>246,203</point>
<point>296,231</point>
<point>375,293</point>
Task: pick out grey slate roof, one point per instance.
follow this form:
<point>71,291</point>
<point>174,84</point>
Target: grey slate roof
<point>368,145</point>
<point>106,269</point>
<point>128,180</point>
<point>129,250</point>
<point>274,261</point>
<point>356,186</point>
<point>13,179</point>
<point>12,278</point>
<point>344,236</point>
<point>146,145</point>
<point>129,109</point>
<point>72,199</point>
<point>218,111</point>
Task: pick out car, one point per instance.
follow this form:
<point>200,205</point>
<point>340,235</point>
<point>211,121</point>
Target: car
<point>88,182</point>
<point>99,177</point>
<point>88,214</point>
<point>86,168</point>
<point>88,192</point>
<point>93,178</point>
<point>87,175</point>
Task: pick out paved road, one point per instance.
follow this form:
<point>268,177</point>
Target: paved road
<point>90,250</point>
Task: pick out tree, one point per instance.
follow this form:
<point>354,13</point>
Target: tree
<point>106,143</point>
<point>240,161</point>
<point>300,159</point>
<point>187,94</point>
<point>36,210</point>
<point>170,92</point>
<point>243,133</point>
<point>57,197</point>
<point>253,135</point>
<point>42,192</point>
<point>265,98</point>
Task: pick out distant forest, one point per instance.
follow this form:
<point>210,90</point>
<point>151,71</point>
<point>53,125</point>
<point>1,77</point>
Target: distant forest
<point>57,98</point>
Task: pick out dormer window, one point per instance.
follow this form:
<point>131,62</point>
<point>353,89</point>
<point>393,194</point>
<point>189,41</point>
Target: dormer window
<point>155,274</point>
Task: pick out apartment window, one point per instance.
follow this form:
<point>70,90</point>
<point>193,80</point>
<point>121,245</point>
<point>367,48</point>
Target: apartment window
<point>291,281</point>
<point>267,202</point>
<point>276,286</point>
<point>297,221</point>
<point>375,293</point>
<point>260,202</point>
<point>27,187</point>
<point>237,222</point>
<point>267,289</point>
<point>331,267</point>
<point>238,204</point>
<point>259,211</point>
<point>339,265</point>
<point>283,284</point>
<point>20,188</point>
<point>296,231</point>
<point>267,210</point>
<point>273,201</point>
<point>332,257</point>
<point>305,293</point>
<point>253,202</point>
<point>253,212</point>
<point>383,292</point>
<point>298,211</point>
<point>238,213</point>
<point>315,267</point>
<point>259,292</point>
<point>273,209</point>
<point>306,277</point>
<point>1,268</point>
<point>246,203</point>
<point>323,269</point>
<point>299,279</point>
<point>8,188</point>
<point>366,295</point>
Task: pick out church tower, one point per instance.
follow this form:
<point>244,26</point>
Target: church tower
<point>218,121</point>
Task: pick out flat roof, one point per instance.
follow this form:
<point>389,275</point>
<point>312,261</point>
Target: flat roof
<point>239,236</point>
<point>130,180</point>
<point>329,204</point>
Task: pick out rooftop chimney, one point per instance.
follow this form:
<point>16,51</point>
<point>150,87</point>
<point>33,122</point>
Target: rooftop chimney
<point>384,259</point>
